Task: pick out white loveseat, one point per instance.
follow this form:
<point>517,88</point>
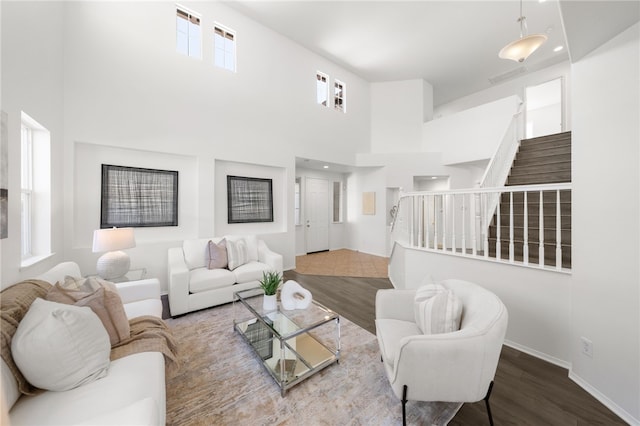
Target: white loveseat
<point>192,286</point>
<point>132,393</point>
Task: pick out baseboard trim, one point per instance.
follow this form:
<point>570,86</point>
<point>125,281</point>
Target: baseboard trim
<point>604,400</point>
<point>541,355</point>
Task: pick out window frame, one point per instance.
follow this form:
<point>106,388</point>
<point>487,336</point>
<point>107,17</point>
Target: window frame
<point>190,16</point>
<point>340,101</point>
<point>226,31</point>
<point>26,191</point>
<point>322,77</point>
<point>339,203</point>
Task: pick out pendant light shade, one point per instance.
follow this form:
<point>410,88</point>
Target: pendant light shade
<point>520,49</point>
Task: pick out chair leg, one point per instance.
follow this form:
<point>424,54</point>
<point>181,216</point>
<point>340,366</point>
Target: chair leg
<point>404,403</point>
<point>486,401</point>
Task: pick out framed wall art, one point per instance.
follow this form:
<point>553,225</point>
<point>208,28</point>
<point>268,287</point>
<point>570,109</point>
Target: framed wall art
<point>137,197</point>
<point>249,199</point>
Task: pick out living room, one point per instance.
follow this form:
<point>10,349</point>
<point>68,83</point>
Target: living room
<point>105,80</point>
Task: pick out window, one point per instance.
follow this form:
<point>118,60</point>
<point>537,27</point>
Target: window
<point>224,45</point>
<point>35,183</point>
<point>339,96</point>
<point>188,39</point>
<point>296,213</point>
<point>337,202</point>
<point>322,85</point>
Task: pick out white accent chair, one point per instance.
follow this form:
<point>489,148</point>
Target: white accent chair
<point>450,367</point>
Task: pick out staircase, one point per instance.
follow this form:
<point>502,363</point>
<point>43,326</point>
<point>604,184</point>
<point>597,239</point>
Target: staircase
<point>546,159</point>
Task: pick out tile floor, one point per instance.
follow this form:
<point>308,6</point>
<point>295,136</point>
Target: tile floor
<point>343,263</point>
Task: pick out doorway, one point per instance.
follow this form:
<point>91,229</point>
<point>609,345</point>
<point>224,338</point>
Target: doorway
<point>544,109</point>
<point>317,214</point>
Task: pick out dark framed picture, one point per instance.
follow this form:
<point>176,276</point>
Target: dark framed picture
<point>136,197</point>
<point>249,199</point>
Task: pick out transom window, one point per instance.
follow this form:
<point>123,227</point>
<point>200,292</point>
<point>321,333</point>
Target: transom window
<point>322,86</point>
<point>224,42</point>
<point>339,96</point>
<point>188,34</point>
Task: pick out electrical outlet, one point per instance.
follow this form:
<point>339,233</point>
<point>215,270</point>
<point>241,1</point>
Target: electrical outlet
<point>587,347</point>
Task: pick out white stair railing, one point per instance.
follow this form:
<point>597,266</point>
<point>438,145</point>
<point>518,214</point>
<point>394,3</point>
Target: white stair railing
<point>449,222</point>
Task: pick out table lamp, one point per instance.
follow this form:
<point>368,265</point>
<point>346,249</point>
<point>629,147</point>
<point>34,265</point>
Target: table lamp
<point>114,264</point>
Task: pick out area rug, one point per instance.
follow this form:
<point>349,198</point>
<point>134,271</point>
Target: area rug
<point>221,382</point>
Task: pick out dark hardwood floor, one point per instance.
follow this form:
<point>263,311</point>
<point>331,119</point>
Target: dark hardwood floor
<point>527,390</point>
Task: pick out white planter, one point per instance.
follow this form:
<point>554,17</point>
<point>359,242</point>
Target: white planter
<point>270,303</point>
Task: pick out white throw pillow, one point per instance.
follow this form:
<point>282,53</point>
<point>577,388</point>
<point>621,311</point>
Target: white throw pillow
<point>440,313</point>
<point>60,347</point>
<point>252,244</point>
<point>424,292</point>
<point>237,253</point>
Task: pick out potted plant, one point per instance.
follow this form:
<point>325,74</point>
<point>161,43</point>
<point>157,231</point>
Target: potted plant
<point>269,283</point>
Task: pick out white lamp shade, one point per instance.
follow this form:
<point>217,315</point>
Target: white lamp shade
<point>520,49</point>
<point>113,239</point>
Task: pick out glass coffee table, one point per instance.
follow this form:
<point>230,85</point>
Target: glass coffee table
<point>292,345</point>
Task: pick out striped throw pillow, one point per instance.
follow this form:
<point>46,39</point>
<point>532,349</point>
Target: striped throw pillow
<point>440,313</point>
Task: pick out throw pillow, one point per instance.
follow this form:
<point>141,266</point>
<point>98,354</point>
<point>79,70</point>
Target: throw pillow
<point>217,255</point>
<point>440,313</point>
<point>237,253</point>
<point>424,292</point>
<point>99,295</point>
<point>60,347</point>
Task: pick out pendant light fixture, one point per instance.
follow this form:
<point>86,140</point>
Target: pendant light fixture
<point>520,49</point>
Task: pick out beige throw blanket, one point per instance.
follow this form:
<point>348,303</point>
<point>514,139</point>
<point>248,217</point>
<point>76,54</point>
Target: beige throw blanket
<point>148,333</point>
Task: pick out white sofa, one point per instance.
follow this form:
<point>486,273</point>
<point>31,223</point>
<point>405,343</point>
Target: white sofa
<point>192,286</point>
<point>132,393</point>
<point>452,367</point>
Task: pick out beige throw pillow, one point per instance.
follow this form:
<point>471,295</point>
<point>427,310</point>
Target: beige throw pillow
<point>99,295</point>
<point>424,292</point>
<point>237,253</point>
<point>440,313</point>
<point>217,255</point>
<point>60,347</point>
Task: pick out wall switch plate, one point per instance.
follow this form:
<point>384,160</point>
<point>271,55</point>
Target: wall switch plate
<point>587,347</point>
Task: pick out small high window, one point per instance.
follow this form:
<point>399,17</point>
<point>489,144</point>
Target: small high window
<point>322,86</point>
<point>339,96</point>
<point>337,202</point>
<point>224,42</point>
<point>188,37</point>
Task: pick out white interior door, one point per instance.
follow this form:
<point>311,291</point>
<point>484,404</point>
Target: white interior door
<point>317,214</point>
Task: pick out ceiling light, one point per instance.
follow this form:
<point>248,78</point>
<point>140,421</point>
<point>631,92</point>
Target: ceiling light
<point>558,48</point>
<point>325,167</point>
<point>434,177</point>
<point>520,49</point>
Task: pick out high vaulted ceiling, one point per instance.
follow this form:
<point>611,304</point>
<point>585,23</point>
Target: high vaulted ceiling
<point>451,44</point>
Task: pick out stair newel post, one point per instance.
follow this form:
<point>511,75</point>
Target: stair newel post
<point>453,223</point>
<point>558,232</point>
<point>525,244</point>
<point>541,232</point>
<point>444,222</point>
<point>511,246</point>
<point>464,219</point>
<point>498,243</point>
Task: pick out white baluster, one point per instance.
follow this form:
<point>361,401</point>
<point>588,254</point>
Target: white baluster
<point>485,229</point>
<point>453,223</point>
<point>426,221</point>
<point>464,218</point>
<point>413,225</point>
<point>541,233</point>
<point>558,232</point>
<point>511,245</point>
<point>435,222</point>
<point>498,244</point>
<point>444,222</point>
<point>474,228</point>
<point>525,244</point>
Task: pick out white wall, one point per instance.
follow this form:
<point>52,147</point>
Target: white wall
<point>398,110</point>
<point>32,81</point>
<point>539,302</point>
<point>470,135</point>
<point>107,74</point>
<point>512,87</point>
<point>606,233</point>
